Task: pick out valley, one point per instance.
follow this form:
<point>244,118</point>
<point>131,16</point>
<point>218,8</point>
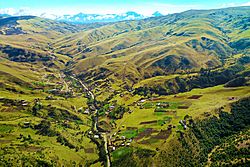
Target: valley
<point>162,91</point>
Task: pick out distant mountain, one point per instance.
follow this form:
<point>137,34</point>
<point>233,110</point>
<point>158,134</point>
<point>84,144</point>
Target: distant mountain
<point>186,71</point>
<point>91,18</point>
<point>157,14</point>
<point>159,45</point>
<point>4,15</point>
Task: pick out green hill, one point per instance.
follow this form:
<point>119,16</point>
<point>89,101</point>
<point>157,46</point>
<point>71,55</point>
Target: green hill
<point>163,91</point>
<point>158,46</point>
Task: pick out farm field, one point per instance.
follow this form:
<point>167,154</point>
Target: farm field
<point>170,90</point>
<point>198,103</point>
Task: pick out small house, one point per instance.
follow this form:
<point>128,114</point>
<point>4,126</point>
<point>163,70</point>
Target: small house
<point>96,136</point>
<point>183,123</point>
<point>86,111</point>
<point>111,107</point>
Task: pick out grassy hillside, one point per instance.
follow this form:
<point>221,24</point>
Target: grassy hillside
<point>163,91</point>
<point>158,46</point>
<point>40,126</point>
<point>29,38</point>
<point>206,136</point>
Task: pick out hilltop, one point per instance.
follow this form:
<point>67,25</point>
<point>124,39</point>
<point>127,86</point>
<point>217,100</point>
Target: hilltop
<point>135,50</point>
<point>161,91</point>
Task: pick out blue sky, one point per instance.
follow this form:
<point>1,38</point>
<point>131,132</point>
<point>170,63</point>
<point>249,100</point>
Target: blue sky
<point>145,7</point>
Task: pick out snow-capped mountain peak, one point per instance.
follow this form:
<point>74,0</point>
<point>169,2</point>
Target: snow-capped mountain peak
<point>87,18</point>
<point>90,18</point>
<point>157,14</point>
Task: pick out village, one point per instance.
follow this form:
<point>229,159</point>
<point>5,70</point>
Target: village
<point>105,114</point>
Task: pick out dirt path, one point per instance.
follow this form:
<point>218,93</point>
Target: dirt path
<point>103,135</point>
<point>65,87</point>
<point>85,87</point>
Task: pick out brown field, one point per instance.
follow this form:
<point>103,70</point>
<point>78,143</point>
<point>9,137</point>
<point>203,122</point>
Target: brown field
<point>183,107</point>
<point>146,133</point>
<point>195,97</point>
<point>89,150</point>
<point>163,134</point>
<point>148,122</point>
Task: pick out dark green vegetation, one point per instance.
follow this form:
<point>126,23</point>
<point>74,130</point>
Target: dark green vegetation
<point>165,91</point>
<point>130,156</point>
<point>229,76</point>
<point>203,136</point>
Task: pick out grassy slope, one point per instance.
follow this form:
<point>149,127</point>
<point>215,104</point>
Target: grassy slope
<point>119,52</point>
<point>209,102</point>
<point>144,43</point>
<point>21,77</point>
<point>48,146</point>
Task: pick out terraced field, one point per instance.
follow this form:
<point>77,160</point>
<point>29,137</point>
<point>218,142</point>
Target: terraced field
<point>162,91</point>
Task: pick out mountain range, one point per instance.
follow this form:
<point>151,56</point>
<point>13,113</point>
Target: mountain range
<point>160,91</point>
<point>91,18</point>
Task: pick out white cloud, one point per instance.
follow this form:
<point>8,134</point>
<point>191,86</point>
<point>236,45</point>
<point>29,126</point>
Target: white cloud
<point>77,18</point>
<point>108,16</point>
<point>234,4</point>
<point>165,8</point>
<point>19,11</point>
<point>48,15</point>
<point>147,9</point>
<point>9,11</point>
<point>246,4</point>
<point>130,17</point>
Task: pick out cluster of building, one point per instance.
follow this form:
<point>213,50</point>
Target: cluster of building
<point>118,141</point>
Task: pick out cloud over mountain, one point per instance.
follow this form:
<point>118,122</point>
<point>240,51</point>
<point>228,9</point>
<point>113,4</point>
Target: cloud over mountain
<point>80,17</point>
